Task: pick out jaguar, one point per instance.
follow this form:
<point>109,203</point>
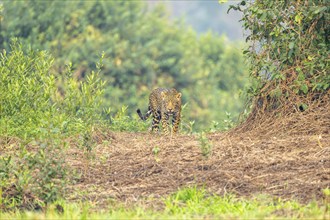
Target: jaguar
<point>163,103</point>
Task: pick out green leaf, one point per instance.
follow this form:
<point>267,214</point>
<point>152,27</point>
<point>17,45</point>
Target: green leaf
<point>304,88</point>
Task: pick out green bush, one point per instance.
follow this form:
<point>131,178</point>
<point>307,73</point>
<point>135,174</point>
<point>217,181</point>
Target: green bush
<point>26,88</point>
<point>36,121</point>
<point>31,103</point>
<point>31,178</point>
<point>288,51</point>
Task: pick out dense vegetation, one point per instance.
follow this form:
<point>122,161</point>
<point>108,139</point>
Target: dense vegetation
<point>143,50</point>
<point>288,52</point>
<point>35,122</point>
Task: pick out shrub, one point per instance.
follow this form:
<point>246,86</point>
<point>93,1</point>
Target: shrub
<point>35,122</point>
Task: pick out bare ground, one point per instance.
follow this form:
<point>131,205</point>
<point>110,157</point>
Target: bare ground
<point>286,157</point>
<point>124,166</point>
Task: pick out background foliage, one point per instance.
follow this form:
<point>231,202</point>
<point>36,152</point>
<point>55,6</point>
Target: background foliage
<point>143,49</point>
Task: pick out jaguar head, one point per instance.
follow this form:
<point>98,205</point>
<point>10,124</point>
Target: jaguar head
<point>171,101</point>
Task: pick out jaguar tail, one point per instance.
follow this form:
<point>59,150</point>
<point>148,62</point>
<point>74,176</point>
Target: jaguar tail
<point>144,117</point>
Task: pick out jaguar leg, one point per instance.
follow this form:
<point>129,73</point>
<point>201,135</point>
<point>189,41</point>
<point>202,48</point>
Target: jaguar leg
<point>176,122</point>
<point>155,121</point>
<point>165,123</point>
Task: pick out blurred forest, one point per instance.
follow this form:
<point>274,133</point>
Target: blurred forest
<point>144,48</point>
<point>207,15</point>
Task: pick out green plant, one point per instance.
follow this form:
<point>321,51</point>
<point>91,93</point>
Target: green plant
<point>39,119</point>
<point>34,103</point>
<point>31,178</point>
<point>205,145</point>
<point>326,202</point>
<point>191,127</point>
<point>184,198</point>
<point>82,99</point>
<point>326,192</point>
<point>155,151</point>
<point>228,122</point>
<point>49,171</point>
<point>26,89</point>
<point>122,122</point>
<point>215,126</point>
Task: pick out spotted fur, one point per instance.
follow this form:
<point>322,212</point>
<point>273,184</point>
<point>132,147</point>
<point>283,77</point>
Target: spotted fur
<point>164,103</point>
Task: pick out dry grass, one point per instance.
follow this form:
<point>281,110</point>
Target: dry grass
<point>286,163</point>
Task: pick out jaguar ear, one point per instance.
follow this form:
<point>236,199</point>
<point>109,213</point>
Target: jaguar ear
<point>163,95</point>
<point>178,96</point>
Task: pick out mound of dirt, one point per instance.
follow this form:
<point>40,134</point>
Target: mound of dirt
<point>126,167</point>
